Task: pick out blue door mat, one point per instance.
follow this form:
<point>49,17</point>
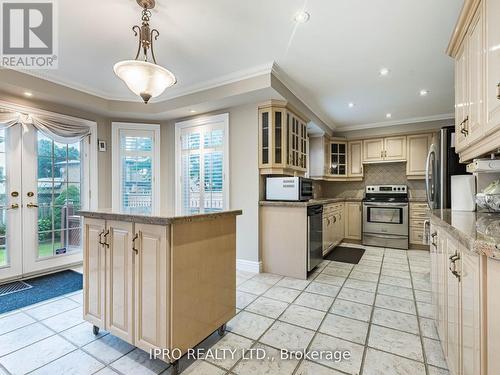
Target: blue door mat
<point>42,288</point>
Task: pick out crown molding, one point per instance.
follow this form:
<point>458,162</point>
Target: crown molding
<point>406,121</point>
<point>191,89</point>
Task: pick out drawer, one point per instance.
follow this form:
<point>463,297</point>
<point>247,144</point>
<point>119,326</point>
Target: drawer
<point>416,235</point>
<point>419,214</point>
<point>418,206</point>
<point>417,222</point>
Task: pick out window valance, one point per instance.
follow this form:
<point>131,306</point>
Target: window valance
<point>62,130</point>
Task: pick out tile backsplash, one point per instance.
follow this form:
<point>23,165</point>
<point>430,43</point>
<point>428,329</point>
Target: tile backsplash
<point>374,174</point>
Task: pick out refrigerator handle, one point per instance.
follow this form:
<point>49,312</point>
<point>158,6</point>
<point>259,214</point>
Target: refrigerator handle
<point>428,186</point>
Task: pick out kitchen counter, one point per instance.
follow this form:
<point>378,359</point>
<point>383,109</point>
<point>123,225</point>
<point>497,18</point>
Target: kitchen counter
<point>109,214</point>
<point>313,202</point>
<point>479,232</point>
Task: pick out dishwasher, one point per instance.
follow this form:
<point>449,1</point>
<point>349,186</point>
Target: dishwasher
<point>314,236</point>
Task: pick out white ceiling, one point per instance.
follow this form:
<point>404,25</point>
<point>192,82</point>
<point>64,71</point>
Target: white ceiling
<point>331,60</point>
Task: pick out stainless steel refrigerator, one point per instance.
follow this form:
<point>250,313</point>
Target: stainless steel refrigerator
<point>442,163</point>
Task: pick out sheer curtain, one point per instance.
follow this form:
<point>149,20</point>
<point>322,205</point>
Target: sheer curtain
<point>60,130</point>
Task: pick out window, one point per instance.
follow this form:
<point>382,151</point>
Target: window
<point>201,151</point>
<point>136,162</point>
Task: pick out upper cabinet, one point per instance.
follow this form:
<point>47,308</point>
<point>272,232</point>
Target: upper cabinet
<point>355,158</point>
<point>417,149</point>
<point>475,46</point>
<point>282,140</point>
<point>384,149</point>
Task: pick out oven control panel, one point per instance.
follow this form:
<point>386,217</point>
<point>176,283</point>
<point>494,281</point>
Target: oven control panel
<point>386,189</point>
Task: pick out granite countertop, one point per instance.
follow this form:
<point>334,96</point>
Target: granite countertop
<point>477,231</point>
<point>313,202</point>
<point>109,214</point>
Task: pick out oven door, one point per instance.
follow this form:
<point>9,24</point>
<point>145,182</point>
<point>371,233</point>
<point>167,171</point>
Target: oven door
<point>385,218</point>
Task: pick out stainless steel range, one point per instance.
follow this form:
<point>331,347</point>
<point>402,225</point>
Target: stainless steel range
<point>385,216</point>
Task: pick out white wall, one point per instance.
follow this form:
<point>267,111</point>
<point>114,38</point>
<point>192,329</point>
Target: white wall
<point>243,174</point>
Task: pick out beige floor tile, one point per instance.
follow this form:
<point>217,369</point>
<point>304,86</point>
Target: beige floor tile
<point>266,306</point>
<point>364,276</point>
<point>272,364</point>
<point>345,328</point>
<point>22,337</point>
<point>53,308</point>
<point>75,363</point>
<point>352,310</point>
<point>286,336</point>
<point>303,316</point>
<point>268,278</point>
<point>437,371</point>
<point>312,368</point>
<point>249,325</point>
<point>236,344</point>
<point>82,334</point>
<point>290,282</point>
<point>36,355</point>
<point>243,299</point>
<point>428,328</point>
<point>14,321</point>
<point>352,365</point>
<point>106,371</point>
<point>396,342</point>
<point>108,348</point>
<point>282,294</point>
<point>396,273</point>
<point>425,310</point>
<point>202,368</point>
<point>367,286</point>
<point>395,281</point>
<point>434,353</point>
<point>323,289</point>
<point>423,296</point>
<point>380,363</point>
<point>314,301</point>
<point>395,303</point>
<point>138,362</point>
<point>65,320</point>
<point>356,295</point>
<point>397,320</point>
<point>329,279</point>
<point>254,287</point>
<point>395,291</point>
<point>336,271</point>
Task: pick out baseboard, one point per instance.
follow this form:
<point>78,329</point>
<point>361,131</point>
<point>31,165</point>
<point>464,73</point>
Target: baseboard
<point>248,266</point>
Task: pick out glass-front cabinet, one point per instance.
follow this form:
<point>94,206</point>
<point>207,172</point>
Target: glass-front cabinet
<point>337,155</point>
<point>282,140</point>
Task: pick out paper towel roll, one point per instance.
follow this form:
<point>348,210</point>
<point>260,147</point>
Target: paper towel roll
<point>463,193</point>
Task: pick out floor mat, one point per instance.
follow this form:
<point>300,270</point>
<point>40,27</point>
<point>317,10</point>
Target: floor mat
<point>43,288</point>
<point>345,254</point>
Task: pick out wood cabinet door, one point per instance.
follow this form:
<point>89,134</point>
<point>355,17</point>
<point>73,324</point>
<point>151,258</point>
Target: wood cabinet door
<point>471,313</point>
<point>453,309</point>
<point>151,286</point>
<point>94,272</point>
<point>492,80</point>
<point>475,78</point>
<point>442,288</point>
<point>119,280</point>
<point>325,234</point>
<point>461,96</point>
<point>355,159</point>
<point>353,220</point>
<point>265,138</point>
<point>278,136</point>
<point>395,148</point>
<point>373,150</point>
<point>418,147</point>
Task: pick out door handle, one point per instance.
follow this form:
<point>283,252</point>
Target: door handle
<point>136,251</point>
<point>100,237</point>
<point>13,206</point>
<point>32,205</point>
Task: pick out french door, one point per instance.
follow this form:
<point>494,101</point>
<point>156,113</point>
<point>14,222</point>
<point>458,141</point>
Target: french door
<point>42,185</point>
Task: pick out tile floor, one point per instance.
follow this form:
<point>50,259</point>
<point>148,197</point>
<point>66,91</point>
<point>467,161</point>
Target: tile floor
<point>379,310</point>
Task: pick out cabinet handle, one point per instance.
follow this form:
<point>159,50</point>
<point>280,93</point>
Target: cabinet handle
<point>498,91</point>
<point>106,239</point>
<point>335,219</point>
<point>136,251</point>
<point>100,237</point>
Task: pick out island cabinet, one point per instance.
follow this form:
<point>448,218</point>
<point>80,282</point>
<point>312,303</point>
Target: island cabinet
<point>353,219</point>
<point>282,140</point>
<point>161,285</point>
<point>474,47</point>
<point>333,225</point>
<point>460,282</point>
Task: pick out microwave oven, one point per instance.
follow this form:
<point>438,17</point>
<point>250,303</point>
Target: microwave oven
<point>288,189</point>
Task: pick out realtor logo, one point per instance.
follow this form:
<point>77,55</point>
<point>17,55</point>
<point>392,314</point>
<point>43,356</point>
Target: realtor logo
<point>29,34</point>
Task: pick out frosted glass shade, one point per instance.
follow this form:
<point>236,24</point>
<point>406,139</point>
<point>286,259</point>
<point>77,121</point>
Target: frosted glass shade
<point>143,78</point>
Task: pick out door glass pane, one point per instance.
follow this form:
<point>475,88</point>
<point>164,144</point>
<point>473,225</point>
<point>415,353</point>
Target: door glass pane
<point>213,175</point>
<point>58,197</point>
<point>4,256</point>
<point>191,183</point>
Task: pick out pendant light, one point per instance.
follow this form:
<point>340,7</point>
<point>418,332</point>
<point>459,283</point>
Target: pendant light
<point>144,78</point>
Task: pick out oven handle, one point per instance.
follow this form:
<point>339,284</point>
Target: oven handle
<point>385,204</point>
<point>383,235</point>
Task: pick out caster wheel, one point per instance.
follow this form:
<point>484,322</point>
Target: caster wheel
<point>95,329</point>
<point>221,330</point>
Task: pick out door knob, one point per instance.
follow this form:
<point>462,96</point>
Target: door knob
<point>13,206</point>
<point>14,194</point>
<point>32,205</point>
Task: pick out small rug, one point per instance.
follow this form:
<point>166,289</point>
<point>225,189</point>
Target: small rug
<point>345,254</point>
<point>43,288</point>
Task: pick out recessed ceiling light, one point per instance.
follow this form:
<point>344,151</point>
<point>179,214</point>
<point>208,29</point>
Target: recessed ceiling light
<point>302,17</point>
<point>424,92</point>
<point>27,93</point>
<point>351,104</point>
<point>388,115</point>
<point>192,111</point>
<point>384,71</point>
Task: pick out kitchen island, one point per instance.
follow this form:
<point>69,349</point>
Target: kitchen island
<point>162,284</point>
